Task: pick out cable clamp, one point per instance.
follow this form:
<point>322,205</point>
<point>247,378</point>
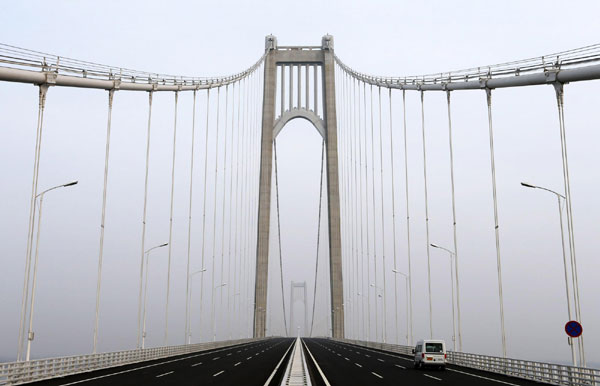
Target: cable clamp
<point>51,78</point>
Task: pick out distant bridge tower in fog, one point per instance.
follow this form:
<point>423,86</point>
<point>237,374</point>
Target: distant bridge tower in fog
<point>294,295</point>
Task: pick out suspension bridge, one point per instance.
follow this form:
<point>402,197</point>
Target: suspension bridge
<point>234,276</point>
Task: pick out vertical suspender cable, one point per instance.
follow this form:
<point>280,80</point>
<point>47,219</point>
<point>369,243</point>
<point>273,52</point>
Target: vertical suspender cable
<point>394,209</point>
<point>43,91</point>
<point>204,203</point>
<point>426,214</point>
<point>318,239</point>
<point>383,229</point>
<point>187,285</point>
<point>144,218</point>
<point>410,342</point>
<point>247,200</point>
<point>559,89</point>
<point>360,204</point>
<point>496,226</point>
<point>288,332</point>
<point>111,94</point>
<point>454,223</point>
<point>214,227</point>
<point>224,202</point>
<point>237,209</point>
<point>166,341</point>
<point>366,161</point>
<point>360,309</point>
<point>374,219</point>
<point>230,284</point>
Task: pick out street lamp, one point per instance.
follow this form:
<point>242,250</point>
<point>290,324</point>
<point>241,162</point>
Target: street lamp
<point>562,240</point>
<point>213,310</point>
<point>146,291</point>
<point>451,254</point>
<point>30,334</point>
<point>189,332</point>
<point>406,278</point>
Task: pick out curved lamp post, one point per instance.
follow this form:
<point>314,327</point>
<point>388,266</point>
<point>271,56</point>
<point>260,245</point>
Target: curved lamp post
<point>30,334</point>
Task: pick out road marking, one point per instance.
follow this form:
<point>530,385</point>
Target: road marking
<point>237,364</point>
<point>358,364</point>
<point>219,373</point>
<point>316,365</point>
<point>239,351</point>
<point>346,359</point>
<point>479,376</point>
<point>248,358</point>
<point>367,355</point>
<point>402,367</point>
<point>214,359</point>
<point>380,360</point>
<point>229,354</point>
<point>196,364</point>
<point>432,377</point>
<point>162,375</point>
<point>377,375</point>
<point>152,365</point>
<point>279,364</point>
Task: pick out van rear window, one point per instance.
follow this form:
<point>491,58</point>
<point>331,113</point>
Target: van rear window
<point>434,347</point>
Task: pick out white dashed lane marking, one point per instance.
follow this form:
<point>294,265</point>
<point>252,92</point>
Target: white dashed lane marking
<point>402,367</point>
<point>219,373</point>
<point>358,364</point>
<point>380,360</point>
<point>214,359</point>
<point>162,375</point>
<point>196,364</point>
<point>377,375</point>
<point>432,377</point>
<point>237,364</point>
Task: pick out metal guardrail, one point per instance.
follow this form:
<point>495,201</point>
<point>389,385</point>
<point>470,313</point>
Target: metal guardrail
<point>578,57</point>
<point>550,373</point>
<point>17,58</point>
<point>16,373</point>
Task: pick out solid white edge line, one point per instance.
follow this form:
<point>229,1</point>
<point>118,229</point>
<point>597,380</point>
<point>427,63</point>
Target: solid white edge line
<point>432,377</point>
<point>482,377</point>
<point>317,365</point>
<point>143,367</point>
<point>279,364</point>
<point>398,355</point>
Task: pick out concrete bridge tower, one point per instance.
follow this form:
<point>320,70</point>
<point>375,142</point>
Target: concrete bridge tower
<point>304,79</point>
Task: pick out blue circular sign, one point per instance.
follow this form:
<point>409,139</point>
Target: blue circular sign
<point>573,329</point>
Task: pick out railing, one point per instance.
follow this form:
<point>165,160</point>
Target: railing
<point>550,373</point>
<point>574,58</point>
<point>17,58</point>
<point>16,373</point>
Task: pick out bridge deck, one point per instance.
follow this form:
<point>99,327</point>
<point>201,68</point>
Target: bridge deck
<point>264,363</point>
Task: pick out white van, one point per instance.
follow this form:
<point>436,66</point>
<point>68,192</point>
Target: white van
<point>430,353</point>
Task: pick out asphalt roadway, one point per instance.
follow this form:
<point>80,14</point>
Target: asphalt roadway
<point>246,364</point>
<point>346,364</point>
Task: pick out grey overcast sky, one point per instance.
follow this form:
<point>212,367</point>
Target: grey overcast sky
<point>376,37</point>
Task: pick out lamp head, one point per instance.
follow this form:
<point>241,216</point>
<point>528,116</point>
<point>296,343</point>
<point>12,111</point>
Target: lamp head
<point>528,185</point>
<point>70,183</point>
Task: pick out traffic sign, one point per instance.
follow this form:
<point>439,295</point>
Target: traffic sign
<point>574,329</point>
